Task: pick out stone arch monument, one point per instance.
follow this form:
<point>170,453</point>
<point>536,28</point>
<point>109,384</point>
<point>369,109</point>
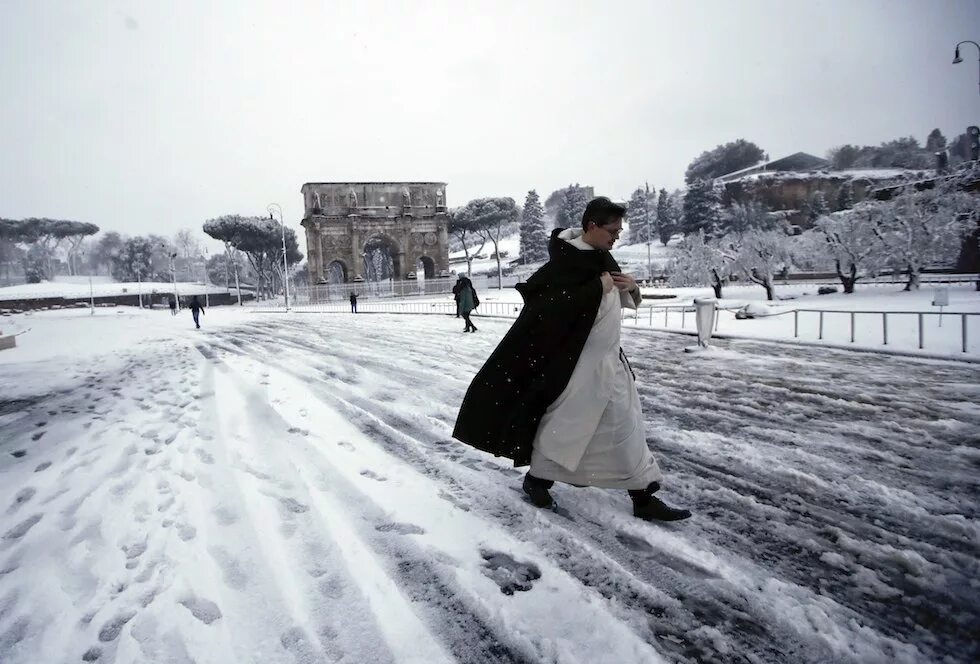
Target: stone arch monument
<point>342,219</point>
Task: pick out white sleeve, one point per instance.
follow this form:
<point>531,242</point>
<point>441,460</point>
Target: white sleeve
<point>630,300</point>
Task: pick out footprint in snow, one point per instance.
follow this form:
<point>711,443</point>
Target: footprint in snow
<point>18,453</point>
<point>22,528</point>
<point>302,432</point>
<point>345,445</point>
<point>203,609</point>
<point>231,569</point>
<point>111,629</point>
<point>295,641</point>
<point>225,515</point>
<point>293,506</point>
<point>22,497</point>
<point>400,528</point>
<point>509,574</point>
<point>204,455</point>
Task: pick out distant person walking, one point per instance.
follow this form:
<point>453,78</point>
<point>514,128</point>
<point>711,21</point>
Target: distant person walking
<point>197,309</point>
<point>173,306</point>
<point>468,301</point>
<point>353,302</point>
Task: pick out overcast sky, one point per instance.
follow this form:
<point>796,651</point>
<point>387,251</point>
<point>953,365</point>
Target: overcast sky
<point>152,116</point>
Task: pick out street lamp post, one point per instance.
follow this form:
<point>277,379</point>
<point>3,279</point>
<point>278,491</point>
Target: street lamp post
<point>207,300</point>
<point>173,276</point>
<point>956,55</point>
<point>285,264</point>
<point>646,214</point>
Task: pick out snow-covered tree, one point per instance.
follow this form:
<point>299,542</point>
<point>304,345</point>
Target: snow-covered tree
<point>35,265</point>
<point>642,214</point>
<point>920,228</point>
<point>667,219</point>
<point>106,250</point>
<point>762,255</point>
<point>724,159</point>
<point>464,227</point>
<point>743,217</point>
<point>700,262</point>
<point>74,237</point>
<point>260,239</point>
<point>534,235</point>
<point>48,235</point>
<point>702,209</point>
<point>489,216</point>
<point>187,244</point>
<point>133,263</point>
<point>935,141</point>
<point>573,206</point>
<point>848,239</point>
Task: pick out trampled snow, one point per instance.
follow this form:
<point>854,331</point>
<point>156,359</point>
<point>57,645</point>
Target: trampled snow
<point>284,488</point>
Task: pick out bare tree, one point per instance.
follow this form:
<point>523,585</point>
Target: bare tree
<point>700,261</point>
<point>762,255</point>
<point>850,241</point>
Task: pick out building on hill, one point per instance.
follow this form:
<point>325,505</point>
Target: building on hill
<point>788,185</point>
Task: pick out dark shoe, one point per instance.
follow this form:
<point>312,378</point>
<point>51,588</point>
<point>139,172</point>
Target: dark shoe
<point>648,507</point>
<point>658,510</point>
<point>537,490</point>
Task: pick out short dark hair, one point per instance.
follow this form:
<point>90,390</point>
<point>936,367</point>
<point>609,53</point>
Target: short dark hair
<point>602,211</point>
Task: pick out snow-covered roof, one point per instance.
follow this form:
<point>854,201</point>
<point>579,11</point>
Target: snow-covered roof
<point>849,174</point>
<point>789,162</point>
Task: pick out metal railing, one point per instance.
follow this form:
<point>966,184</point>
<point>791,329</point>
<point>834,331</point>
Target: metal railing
<point>961,319</point>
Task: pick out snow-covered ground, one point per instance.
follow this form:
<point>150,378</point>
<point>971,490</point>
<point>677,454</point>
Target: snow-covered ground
<point>102,288</point>
<point>285,489</point>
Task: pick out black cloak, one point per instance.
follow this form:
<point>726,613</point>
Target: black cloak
<point>534,361</point>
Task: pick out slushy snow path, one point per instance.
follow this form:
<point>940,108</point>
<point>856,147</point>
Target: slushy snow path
<point>286,489</point>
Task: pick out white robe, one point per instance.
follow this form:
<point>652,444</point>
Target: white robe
<point>594,433</point>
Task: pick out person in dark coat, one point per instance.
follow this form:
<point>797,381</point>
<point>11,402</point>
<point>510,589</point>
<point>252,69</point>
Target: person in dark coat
<point>456,288</point>
<point>468,301</point>
<point>197,309</point>
<point>558,393</point>
<point>353,302</point>
<point>173,306</point>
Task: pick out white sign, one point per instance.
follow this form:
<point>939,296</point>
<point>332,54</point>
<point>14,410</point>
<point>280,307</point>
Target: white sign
<point>941,298</point>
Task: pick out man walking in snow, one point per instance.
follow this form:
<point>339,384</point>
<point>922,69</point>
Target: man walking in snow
<point>173,306</point>
<point>558,393</point>
<point>353,302</point>
<point>197,309</point>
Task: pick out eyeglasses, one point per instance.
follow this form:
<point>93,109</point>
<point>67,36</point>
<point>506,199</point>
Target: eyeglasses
<point>612,233</point>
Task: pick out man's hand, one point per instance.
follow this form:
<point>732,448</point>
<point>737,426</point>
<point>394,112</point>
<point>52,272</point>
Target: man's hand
<point>608,281</point>
<point>624,282</point>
